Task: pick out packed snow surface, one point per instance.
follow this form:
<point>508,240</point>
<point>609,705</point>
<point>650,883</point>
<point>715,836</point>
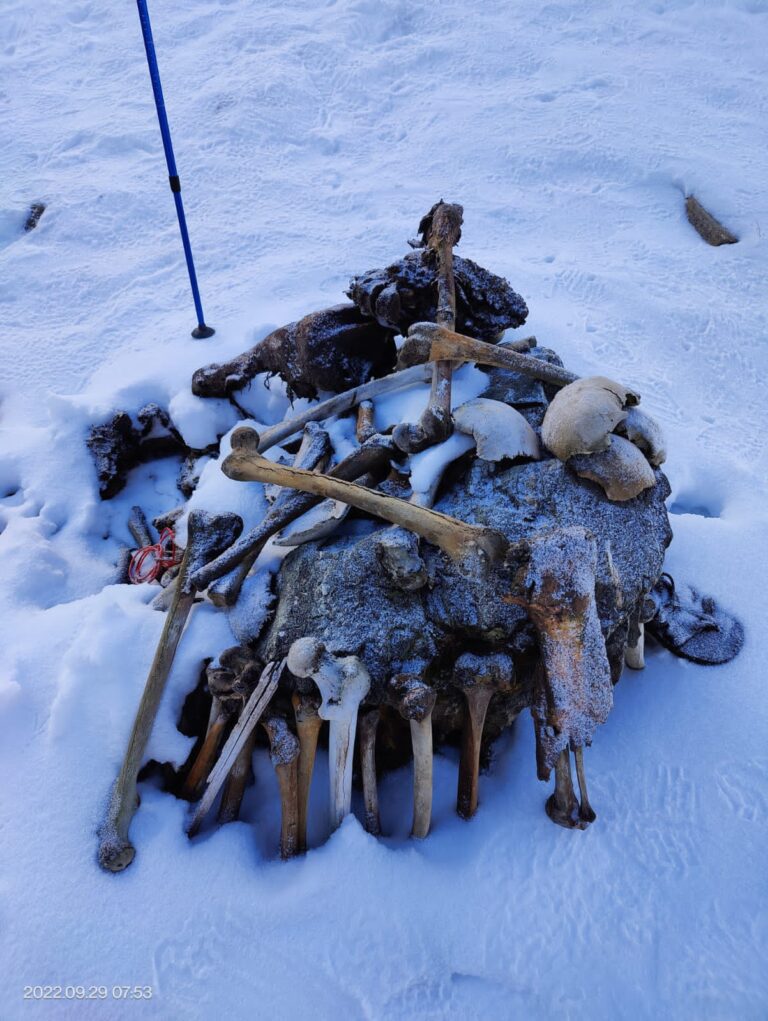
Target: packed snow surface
<point>310,139</point>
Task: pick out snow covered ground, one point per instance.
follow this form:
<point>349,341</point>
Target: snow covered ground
<point>310,139</point>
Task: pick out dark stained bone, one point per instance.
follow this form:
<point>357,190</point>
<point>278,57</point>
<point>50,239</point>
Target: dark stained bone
<point>441,231</point>
<point>405,293</point>
<point>586,812</point>
<point>335,349</point>
<point>284,753</point>
<point>365,427</point>
<point>234,786</point>
<point>368,724</point>
<point>139,528</point>
<point>561,805</point>
<point>308,726</point>
<point>479,677</point>
<point>705,225</point>
<point>36,210</point>
<point>206,537</point>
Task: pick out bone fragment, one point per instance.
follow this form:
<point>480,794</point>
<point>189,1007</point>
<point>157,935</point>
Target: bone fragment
<point>456,538</point>
<point>499,431</point>
<point>209,752</point>
<point>139,528</point>
<point>343,683</point>
<point>562,806</point>
<point>645,432</point>
<point>369,722</point>
<point>206,536</point>
<point>634,655</point>
<point>705,225</point>
<point>441,229</point>
<point>250,716</point>
<point>417,346</point>
<point>365,427</point>
<point>308,724</point>
<point>621,470</point>
<point>284,753</point>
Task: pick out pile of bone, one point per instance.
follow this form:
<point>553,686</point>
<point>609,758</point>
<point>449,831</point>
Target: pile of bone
<point>282,684</point>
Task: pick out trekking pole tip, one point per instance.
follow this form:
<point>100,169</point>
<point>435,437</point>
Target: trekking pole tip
<point>202,332</point>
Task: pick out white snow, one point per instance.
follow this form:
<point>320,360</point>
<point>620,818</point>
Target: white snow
<point>310,139</point>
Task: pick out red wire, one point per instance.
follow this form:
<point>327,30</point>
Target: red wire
<point>163,554</point>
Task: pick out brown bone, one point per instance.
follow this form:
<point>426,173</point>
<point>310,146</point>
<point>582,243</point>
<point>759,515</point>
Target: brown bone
<point>368,725</point>
<point>479,676</point>
<point>441,230</point>
<point>456,538</point>
<point>284,753</point>
<point>415,700</point>
<point>308,726</point>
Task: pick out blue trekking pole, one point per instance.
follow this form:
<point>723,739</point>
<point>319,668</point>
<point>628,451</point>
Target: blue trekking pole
<point>201,330</point>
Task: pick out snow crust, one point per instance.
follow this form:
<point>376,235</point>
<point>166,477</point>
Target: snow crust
<point>310,140</point>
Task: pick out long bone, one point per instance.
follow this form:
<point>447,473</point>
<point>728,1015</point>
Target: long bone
<point>230,685</point>
<point>343,683</point>
<point>313,451</point>
<point>573,693</point>
<point>223,711</point>
<point>235,564</point>
<point>235,784</point>
<point>241,732</point>
<point>441,231</point>
<point>415,701</point>
<point>308,725</point>
<point>369,724</point>
<point>284,753</point>
<point>456,538</point>
<point>207,536</point>
<point>478,676</point>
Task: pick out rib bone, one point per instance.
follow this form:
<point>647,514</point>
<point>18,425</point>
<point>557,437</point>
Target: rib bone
<point>455,537</point>
<point>343,683</point>
<point>206,537</point>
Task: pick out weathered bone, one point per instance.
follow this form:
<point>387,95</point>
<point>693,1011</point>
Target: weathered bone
<point>621,470</point>
<point>343,683</point>
<point>139,528</point>
<point>448,344</point>
<point>561,805</point>
<point>250,716</point>
<point>499,431</point>
<point>234,567</point>
<point>586,812</point>
<point>705,224</point>
<point>372,456</point>
<point>365,427</point>
<point>583,415</point>
<point>416,349</point>
<point>284,753</point>
<point>235,784</point>
<point>342,403</point>
<point>415,701</point>
<point>220,719</point>
<point>634,655</point>
<point>573,693</point>
<point>369,723</point>
<point>456,538</point>
<point>441,230</point>
<point>645,432</point>
<point>206,537</point>
<point>478,676</point>
<point>308,724</point>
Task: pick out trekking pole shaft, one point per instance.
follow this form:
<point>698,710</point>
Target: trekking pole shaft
<point>173,176</point>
